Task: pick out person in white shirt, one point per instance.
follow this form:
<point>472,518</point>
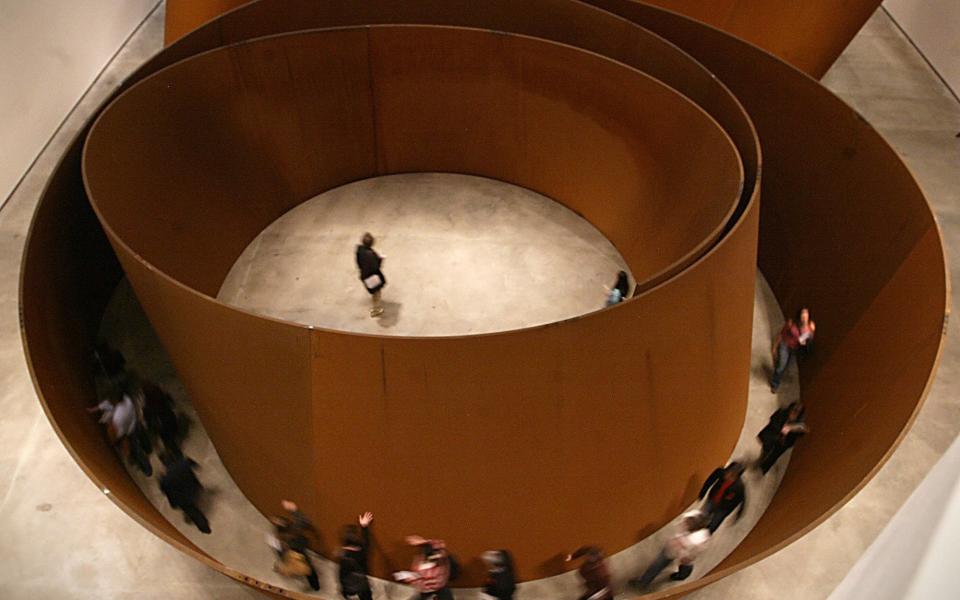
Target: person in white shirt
<point>122,420</point>
<point>683,547</point>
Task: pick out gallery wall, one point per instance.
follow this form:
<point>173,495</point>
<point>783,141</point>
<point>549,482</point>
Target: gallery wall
<point>50,53</point>
<point>934,26</point>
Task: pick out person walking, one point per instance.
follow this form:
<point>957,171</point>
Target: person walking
<point>161,420</point>
<point>432,569</point>
<point>796,335</point>
<point>618,293</point>
<point>786,426</point>
<point>291,544</point>
<point>354,552</point>
<point>368,261</point>
<point>182,488</point>
<point>593,570</point>
<point>724,492</point>
<point>122,419</point>
<point>501,580</point>
<point>684,546</point>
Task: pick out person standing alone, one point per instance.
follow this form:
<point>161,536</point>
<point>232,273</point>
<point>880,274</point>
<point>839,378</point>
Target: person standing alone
<point>368,261</point>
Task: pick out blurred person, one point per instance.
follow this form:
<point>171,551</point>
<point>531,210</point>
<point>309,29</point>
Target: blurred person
<point>724,492</point>
<point>368,261</point>
<point>112,366</point>
<point>618,293</point>
<point>795,335</point>
<point>593,570</point>
<point>182,488</point>
<point>122,418</point>
<point>161,420</point>
<point>354,553</point>
<point>786,426</point>
<point>292,547</point>
<point>683,546</point>
<point>432,570</point>
<point>501,580</point>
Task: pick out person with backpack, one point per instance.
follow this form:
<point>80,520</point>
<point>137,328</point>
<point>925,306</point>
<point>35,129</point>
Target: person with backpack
<point>354,553</point>
<point>291,542</point>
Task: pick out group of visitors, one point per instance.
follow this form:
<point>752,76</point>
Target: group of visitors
<point>432,569</point>
<point>724,490</point>
<point>139,418</point>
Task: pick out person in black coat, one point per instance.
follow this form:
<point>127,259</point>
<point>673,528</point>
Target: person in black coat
<point>368,261</point>
<point>786,426</point>
<point>354,553</point>
<point>182,488</point>
<point>160,418</point>
<point>724,492</point>
<point>501,581</point>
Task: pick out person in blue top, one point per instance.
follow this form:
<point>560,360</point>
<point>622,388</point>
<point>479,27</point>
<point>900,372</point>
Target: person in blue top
<point>618,293</point>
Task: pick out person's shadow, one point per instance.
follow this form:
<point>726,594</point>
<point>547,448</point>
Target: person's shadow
<point>391,314</point>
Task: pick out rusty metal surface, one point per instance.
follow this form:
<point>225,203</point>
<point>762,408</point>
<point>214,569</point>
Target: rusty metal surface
<point>845,230</point>
<point>808,35</point>
<point>848,185</point>
<point>612,144</point>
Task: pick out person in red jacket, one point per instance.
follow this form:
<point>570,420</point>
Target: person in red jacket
<point>795,336</point>
<point>724,492</point>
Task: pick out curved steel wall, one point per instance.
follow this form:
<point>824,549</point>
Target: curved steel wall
<point>515,407</point>
<point>808,35</point>
<point>856,425</point>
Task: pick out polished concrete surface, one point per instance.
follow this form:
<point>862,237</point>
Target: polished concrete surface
<point>63,539</point>
<point>463,255</point>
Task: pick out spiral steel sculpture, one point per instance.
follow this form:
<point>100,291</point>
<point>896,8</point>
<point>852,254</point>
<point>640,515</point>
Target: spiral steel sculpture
<point>649,124</point>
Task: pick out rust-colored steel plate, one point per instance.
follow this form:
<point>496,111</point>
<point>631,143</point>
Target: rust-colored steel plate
<point>846,231</point>
<point>808,35</point>
<point>828,176</point>
<point>606,140</point>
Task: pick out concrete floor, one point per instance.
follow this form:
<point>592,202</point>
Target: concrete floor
<point>62,539</point>
<point>464,255</point>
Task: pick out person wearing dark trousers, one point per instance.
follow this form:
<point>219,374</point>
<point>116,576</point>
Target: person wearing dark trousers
<point>161,420</point>
<point>292,546</point>
<point>725,492</point>
<point>354,553</point>
<point>684,546</point>
<point>593,570</point>
<point>501,580</point>
<point>182,488</point>
<point>786,426</point>
<point>796,337</point>
<point>368,261</point>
